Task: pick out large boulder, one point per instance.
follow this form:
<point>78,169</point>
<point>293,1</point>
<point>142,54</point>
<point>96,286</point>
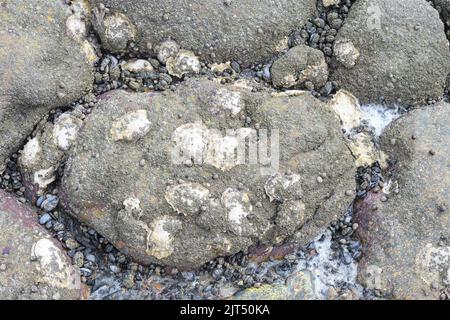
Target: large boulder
<point>218,30</point>
<point>45,63</point>
<point>169,178</point>
<point>392,49</point>
<point>406,239</point>
<point>33,265</point>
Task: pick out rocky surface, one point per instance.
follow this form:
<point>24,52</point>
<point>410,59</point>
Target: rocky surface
<point>44,65</point>
<point>32,264</point>
<point>157,173</point>
<point>392,51</point>
<point>147,189</point>
<point>405,228</point>
<point>217,30</point>
<point>301,65</point>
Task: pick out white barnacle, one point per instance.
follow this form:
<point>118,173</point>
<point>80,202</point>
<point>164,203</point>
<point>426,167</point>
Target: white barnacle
<point>131,126</point>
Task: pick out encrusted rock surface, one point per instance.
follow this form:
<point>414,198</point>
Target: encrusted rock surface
<point>392,51</point>
<point>44,65</point>
<point>177,192</point>
<point>405,228</point>
<point>217,30</point>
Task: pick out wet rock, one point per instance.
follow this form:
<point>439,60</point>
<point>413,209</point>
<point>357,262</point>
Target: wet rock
<point>35,265</point>
<point>396,50</point>
<point>194,199</point>
<point>409,232</point>
<point>43,66</point>
<point>299,65</point>
<point>252,33</point>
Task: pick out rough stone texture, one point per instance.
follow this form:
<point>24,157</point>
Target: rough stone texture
<point>43,66</point>
<point>188,211</point>
<point>396,49</point>
<point>406,240</point>
<point>298,286</point>
<point>299,65</point>
<point>239,30</point>
<point>33,265</point>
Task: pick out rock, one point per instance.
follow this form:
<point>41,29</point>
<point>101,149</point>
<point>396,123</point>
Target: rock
<point>44,65</point>
<point>32,258</point>
<point>298,286</point>
<point>215,31</point>
<point>193,200</point>
<point>41,155</point>
<point>115,30</point>
<point>410,231</point>
<point>392,49</point>
<point>299,65</point>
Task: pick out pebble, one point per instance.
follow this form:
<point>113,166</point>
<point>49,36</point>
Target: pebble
<point>72,244</point>
<point>50,203</point>
<point>44,218</point>
<point>91,258</point>
<point>114,268</point>
<point>78,259</point>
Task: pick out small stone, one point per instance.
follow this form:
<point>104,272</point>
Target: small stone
<point>45,218</point>
<point>78,259</point>
<point>50,203</point>
<point>114,268</point>
<point>71,244</point>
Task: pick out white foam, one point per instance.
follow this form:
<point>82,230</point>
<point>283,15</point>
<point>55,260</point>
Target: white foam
<point>327,270</point>
<point>379,117</point>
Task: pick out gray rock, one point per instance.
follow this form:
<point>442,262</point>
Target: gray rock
<point>35,265</point>
<point>406,238</point>
<point>299,65</point>
<point>396,49</point>
<point>43,65</point>
<point>185,211</point>
<point>238,31</point>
